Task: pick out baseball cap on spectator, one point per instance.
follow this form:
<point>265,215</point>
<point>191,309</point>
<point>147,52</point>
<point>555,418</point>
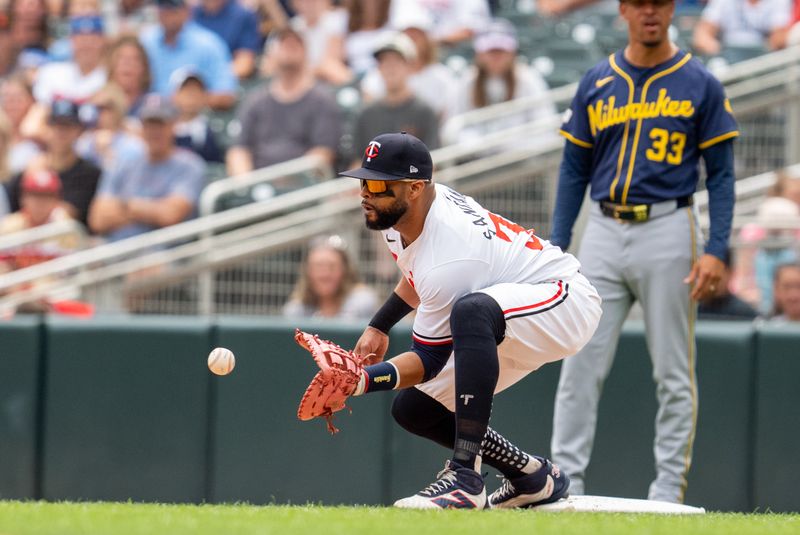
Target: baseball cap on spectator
<point>183,75</point>
<point>64,112</point>
<point>500,34</point>
<point>170,4</point>
<point>394,157</point>
<point>157,108</point>
<point>86,24</point>
<point>41,181</point>
<point>399,43</point>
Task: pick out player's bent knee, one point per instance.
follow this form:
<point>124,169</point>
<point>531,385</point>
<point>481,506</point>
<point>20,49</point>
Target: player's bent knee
<point>478,314</point>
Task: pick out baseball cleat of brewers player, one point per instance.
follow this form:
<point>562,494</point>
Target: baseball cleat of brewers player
<point>493,303</point>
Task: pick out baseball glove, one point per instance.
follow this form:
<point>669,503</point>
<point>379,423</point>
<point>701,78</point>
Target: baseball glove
<point>337,378</point>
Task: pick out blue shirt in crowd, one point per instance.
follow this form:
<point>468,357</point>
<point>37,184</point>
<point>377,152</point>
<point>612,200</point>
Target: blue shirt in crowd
<point>182,174</point>
<point>235,24</point>
<point>195,48</point>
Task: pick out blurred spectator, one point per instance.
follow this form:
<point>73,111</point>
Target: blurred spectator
<point>722,304</point>
<point>78,177</point>
<point>399,110</point>
<point>271,14</point>
<point>497,77</point>
<point>778,218</point>
<point>454,21</point>
<point>8,52</point>
<point>108,144</point>
<point>16,100</point>
<point>178,43</point>
<point>293,115</point>
<point>787,293</point>
<point>129,17</point>
<point>129,68</point>
<point>367,26</point>
<point>85,74</point>
<point>237,26</point>
<point>29,31</point>
<point>192,130</point>
<point>329,285</point>
<point>153,192</point>
<point>429,79</point>
<point>323,28</point>
<point>558,8</point>
<point>748,23</point>
<point>40,204</point>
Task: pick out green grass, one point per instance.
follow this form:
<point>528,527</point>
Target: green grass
<point>24,518</point>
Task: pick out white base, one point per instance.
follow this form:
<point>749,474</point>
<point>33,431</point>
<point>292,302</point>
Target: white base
<point>607,504</point>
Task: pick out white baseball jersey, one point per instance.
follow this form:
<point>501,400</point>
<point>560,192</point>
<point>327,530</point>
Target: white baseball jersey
<point>464,248</point>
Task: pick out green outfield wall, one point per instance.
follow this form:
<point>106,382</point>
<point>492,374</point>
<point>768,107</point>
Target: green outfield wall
<point>125,408</point>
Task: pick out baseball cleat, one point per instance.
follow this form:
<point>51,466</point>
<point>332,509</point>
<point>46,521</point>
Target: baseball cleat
<point>455,487</point>
<point>546,485</point>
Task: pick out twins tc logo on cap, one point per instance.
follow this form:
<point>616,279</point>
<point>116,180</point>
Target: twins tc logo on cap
<point>372,150</point>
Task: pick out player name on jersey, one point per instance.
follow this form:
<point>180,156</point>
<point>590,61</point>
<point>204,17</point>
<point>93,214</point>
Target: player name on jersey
<point>604,114</point>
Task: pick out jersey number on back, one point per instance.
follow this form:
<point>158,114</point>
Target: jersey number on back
<point>500,222</point>
<point>666,145</point>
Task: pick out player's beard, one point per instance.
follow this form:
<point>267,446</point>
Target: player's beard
<point>387,217</point>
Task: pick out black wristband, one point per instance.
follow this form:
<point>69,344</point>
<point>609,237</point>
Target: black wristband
<point>392,311</point>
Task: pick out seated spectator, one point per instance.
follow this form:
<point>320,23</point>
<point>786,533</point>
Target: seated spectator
<point>323,28</point>
<point>157,191</point>
<point>192,130</point>
<point>787,293</point>
<point>108,144</point>
<point>130,17</point>
<point>237,26</point>
<point>429,78</point>
<point>29,28</point>
<point>755,267</point>
<point>399,110</point>
<point>454,21</point>
<point>85,74</point>
<point>497,77</point>
<point>79,177</point>
<point>8,52</point>
<point>368,25</point>
<point>5,173</point>
<point>722,304</point>
<point>129,69</point>
<point>292,116</point>
<point>178,43</point>
<point>16,100</point>
<point>40,204</point>
<point>749,23</point>
<point>558,8</point>
<point>329,285</point>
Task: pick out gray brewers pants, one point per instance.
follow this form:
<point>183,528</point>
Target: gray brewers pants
<point>646,262</point>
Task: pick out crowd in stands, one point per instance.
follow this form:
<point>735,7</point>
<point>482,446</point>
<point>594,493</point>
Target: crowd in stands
<point>114,100</point>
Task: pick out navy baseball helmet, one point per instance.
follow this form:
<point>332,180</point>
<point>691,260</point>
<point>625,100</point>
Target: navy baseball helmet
<point>394,157</point>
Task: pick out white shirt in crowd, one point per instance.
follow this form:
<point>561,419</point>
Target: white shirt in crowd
<point>429,85</point>
<point>447,16</point>
<point>743,23</point>
<point>63,80</point>
<point>332,24</point>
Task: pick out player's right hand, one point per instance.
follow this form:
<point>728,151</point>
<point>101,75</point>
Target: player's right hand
<point>373,343</point>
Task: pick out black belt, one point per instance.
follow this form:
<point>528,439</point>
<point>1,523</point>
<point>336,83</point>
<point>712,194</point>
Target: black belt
<point>638,213</point>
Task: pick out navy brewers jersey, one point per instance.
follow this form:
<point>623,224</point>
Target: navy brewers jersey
<point>647,126</point>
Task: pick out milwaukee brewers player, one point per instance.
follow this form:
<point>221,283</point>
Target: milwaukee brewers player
<point>493,302</point>
<point>637,126</point>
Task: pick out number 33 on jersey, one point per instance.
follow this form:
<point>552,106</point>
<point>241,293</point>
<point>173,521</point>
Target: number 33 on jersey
<point>647,126</point>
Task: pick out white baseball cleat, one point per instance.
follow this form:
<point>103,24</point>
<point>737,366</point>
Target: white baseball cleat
<point>546,485</point>
<point>455,487</point>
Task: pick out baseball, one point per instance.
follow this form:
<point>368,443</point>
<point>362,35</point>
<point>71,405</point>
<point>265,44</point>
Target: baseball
<point>221,361</point>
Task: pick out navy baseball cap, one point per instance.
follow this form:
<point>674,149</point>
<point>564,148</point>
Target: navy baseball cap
<point>394,157</point>
<point>64,112</point>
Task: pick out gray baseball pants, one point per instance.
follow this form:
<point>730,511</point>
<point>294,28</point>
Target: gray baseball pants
<point>646,262</point>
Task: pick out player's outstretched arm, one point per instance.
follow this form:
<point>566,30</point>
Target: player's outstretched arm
<point>374,342</point>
